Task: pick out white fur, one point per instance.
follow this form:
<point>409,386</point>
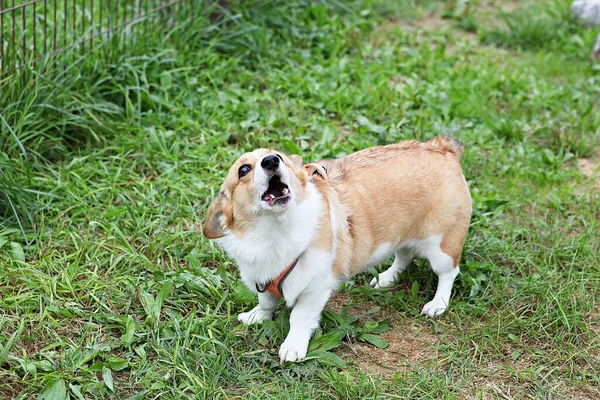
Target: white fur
<point>267,304</point>
<point>441,263</point>
<point>265,251</point>
<point>305,318</point>
<point>380,254</point>
<point>385,279</point>
<point>275,241</point>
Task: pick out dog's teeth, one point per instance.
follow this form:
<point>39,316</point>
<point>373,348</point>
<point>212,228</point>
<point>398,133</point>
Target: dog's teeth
<point>271,196</point>
<point>285,191</point>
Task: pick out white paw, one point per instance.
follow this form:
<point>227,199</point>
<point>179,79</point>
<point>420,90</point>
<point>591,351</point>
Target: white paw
<point>292,350</point>
<point>384,280</point>
<point>255,316</point>
<point>434,308</point>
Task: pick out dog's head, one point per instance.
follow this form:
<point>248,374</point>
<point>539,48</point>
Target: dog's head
<point>261,181</point>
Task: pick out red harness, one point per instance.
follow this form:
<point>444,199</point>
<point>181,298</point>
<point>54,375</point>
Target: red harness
<point>276,285</point>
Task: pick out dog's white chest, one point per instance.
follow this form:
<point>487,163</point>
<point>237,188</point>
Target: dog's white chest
<point>275,240</point>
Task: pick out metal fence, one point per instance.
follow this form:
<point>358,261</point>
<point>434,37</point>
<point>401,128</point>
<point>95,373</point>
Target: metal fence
<point>32,30</point>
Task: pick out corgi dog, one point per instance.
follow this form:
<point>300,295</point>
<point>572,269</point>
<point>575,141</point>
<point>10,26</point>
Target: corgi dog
<point>296,231</point>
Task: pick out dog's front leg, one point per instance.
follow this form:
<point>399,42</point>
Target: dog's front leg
<point>304,319</point>
<point>267,304</point>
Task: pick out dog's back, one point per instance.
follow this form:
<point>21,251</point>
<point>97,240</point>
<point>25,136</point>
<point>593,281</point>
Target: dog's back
<point>401,192</point>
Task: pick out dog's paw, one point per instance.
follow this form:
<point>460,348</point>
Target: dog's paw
<point>255,316</point>
<point>383,280</point>
<point>292,350</point>
<point>434,308</point>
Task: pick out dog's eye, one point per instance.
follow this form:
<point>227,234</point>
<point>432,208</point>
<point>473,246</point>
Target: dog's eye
<point>244,169</point>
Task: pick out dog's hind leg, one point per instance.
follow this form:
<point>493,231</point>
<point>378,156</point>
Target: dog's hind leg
<point>446,268</point>
<point>388,277</point>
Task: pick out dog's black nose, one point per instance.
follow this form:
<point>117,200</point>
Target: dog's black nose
<point>270,162</point>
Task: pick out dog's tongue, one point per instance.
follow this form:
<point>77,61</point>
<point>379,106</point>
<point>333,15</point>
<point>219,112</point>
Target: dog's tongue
<point>271,197</point>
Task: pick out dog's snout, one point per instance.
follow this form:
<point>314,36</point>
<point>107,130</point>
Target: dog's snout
<point>270,162</point>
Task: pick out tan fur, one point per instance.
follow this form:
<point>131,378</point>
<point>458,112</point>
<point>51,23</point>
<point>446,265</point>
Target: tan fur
<point>234,206</point>
<point>317,175</point>
<point>390,194</point>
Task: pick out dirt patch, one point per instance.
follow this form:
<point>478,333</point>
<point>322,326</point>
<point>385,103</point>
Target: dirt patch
<point>343,301</point>
<point>590,167</point>
<point>496,6</point>
<point>432,22</point>
<point>409,344</point>
<point>508,6</point>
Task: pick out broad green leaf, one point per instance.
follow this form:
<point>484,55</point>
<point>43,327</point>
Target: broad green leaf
<point>107,378</point>
<point>117,363</point>
<point>114,364</point>
<point>141,351</point>
<point>327,342</point>
<point>328,135</point>
<point>414,290</point>
<point>75,389</point>
<point>548,157</point>
<point>337,319</point>
<point>129,331</point>
<point>514,338</point>
<point>166,80</point>
<point>54,390</point>
<point>290,146</point>
<point>162,295</point>
<point>17,251</point>
<point>382,326</point>
<point>515,354</point>
<point>147,301</point>
<point>327,358</point>
<point>253,116</point>
<point>44,365</point>
<point>370,325</point>
<point>374,340</point>
<point>364,121</point>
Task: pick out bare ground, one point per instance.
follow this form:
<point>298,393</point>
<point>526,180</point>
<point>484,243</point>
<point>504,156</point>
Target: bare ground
<point>590,167</point>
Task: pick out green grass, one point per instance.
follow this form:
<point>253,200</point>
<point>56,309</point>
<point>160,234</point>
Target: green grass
<point>534,25</point>
<point>108,290</point>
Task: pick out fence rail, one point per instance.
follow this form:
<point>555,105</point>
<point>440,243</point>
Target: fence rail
<point>34,29</point>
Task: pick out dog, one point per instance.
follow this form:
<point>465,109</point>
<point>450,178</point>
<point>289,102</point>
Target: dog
<point>297,231</point>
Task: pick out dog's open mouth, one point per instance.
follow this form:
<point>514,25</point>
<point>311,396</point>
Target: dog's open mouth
<point>277,192</point>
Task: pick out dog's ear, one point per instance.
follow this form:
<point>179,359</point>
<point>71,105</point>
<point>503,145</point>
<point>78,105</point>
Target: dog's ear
<point>212,227</point>
<point>297,160</point>
<point>315,170</point>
